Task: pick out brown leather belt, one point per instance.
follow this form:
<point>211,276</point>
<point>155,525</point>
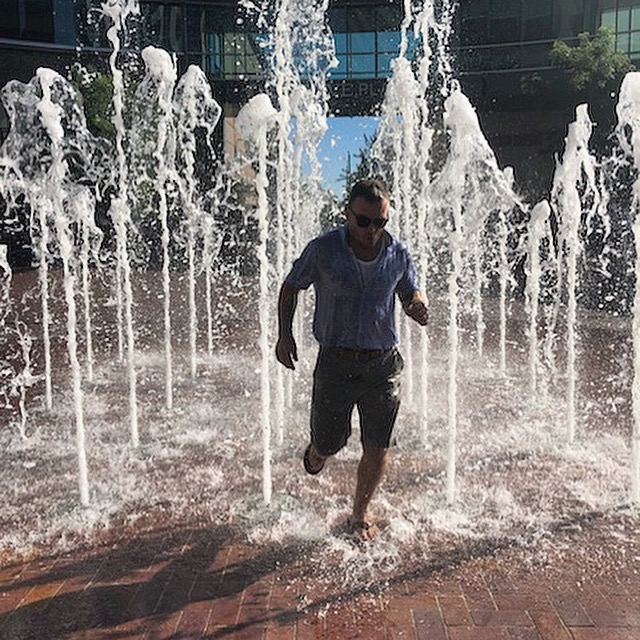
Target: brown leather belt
<point>361,355</point>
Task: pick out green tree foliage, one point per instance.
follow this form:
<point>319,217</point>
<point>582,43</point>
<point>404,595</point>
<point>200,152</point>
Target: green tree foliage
<point>96,90</point>
<point>593,62</point>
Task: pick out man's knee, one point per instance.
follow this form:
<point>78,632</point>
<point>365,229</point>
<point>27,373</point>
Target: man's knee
<point>373,451</point>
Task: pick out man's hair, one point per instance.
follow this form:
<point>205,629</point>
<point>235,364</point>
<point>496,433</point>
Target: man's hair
<point>371,189</point>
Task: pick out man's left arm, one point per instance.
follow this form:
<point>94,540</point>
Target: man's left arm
<point>415,307</point>
<point>410,295</point>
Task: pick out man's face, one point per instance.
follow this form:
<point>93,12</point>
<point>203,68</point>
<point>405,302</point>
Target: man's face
<point>365,221</point>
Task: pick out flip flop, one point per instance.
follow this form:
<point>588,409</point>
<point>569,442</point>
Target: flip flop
<point>307,463</point>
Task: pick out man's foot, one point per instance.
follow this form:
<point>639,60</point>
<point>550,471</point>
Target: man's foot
<point>313,463</point>
<point>362,530</point>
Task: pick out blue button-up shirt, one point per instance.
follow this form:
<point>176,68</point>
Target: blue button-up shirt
<point>349,312</point>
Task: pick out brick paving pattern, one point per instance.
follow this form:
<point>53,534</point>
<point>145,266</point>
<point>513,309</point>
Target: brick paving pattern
<point>201,583</point>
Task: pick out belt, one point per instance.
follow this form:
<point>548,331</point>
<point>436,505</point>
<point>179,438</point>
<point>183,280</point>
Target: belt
<point>360,355</point>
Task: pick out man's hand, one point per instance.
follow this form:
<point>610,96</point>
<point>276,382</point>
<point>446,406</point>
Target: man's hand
<point>417,310</point>
<point>287,351</point>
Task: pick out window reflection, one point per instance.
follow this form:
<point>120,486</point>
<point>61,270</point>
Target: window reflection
<point>624,21</point>
<point>226,42</point>
<point>27,20</point>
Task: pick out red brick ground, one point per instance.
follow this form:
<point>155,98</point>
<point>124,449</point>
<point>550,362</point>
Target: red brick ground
<point>202,583</point>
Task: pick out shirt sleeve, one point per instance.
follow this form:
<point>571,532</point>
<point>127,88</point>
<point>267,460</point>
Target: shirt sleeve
<point>304,270</point>
<point>408,283</point>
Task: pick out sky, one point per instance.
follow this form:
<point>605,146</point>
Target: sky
<point>345,135</point>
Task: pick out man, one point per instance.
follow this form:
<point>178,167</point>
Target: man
<point>356,271</point>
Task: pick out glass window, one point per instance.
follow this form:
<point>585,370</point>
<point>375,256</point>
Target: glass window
<point>363,42</point>
<point>505,8</point>
<point>195,28</point>
<point>535,55</point>
<point>360,19</point>
<point>537,20</point>
<point>608,19</point>
<point>624,20</point>
<point>622,42</point>
<point>537,9</point>
<point>505,30</point>
<point>38,20</point>
<point>363,65</point>
<point>10,20</point>
<point>384,63</point>
<point>569,18</point>
<point>340,43</point>
<point>475,31</point>
<point>340,71</point>
<point>163,26</point>
<point>389,41</point>
<point>634,45</point>
<point>635,18</point>
<point>475,9</point>
<point>387,18</point>
<point>337,19</point>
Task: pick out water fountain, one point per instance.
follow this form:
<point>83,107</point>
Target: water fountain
<point>186,445</point>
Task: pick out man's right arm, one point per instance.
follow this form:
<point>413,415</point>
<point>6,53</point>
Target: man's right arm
<point>286,349</point>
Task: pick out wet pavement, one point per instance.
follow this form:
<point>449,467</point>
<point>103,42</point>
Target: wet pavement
<point>580,581</point>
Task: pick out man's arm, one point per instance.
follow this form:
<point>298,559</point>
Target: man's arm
<point>415,307</point>
<point>286,349</point>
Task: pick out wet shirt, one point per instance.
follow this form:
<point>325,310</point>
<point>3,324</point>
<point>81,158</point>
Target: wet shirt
<point>350,311</point>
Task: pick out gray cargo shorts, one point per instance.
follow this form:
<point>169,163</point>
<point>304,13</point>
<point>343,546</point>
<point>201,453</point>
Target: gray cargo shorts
<point>340,384</point>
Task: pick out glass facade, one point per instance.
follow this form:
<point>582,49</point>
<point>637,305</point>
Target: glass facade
<point>367,39</point>
<point>225,42</point>
<point>221,36</point>
<point>27,20</point>
<point>500,35</point>
<point>623,17</point>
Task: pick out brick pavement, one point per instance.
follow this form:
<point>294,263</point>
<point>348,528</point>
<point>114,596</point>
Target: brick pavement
<point>582,584</point>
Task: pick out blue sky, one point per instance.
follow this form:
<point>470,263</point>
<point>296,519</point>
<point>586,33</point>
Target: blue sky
<point>345,135</point>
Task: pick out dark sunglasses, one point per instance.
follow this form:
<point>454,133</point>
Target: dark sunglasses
<point>364,221</point>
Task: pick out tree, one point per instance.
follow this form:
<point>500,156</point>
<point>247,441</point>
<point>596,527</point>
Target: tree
<point>96,90</point>
<point>593,62</point>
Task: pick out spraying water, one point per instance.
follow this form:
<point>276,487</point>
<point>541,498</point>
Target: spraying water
<point>628,111</point>
<point>469,187</point>
<point>196,109</point>
<point>576,169</point>
<point>254,121</point>
<point>119,11</point>
<point>539,231</point>
<point>460,200</point>
<point>54,208</point>
<point>154,98</point>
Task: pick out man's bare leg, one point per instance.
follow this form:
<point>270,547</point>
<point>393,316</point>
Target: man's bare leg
<point>370,472</point>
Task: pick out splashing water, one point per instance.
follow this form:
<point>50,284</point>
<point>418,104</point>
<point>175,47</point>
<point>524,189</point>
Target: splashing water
<point>481,455</point>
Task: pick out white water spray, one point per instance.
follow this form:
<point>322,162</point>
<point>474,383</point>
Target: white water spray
<point>54,208</point>
<point>119,11</point>
<point>253,123</point>
<point>538,231</point>
<point>576,169</point>
<point>195,109</point>
<point>628,111</point>
<point>158,85</point>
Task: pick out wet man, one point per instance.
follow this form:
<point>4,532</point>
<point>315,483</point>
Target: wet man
<point>356,271</point>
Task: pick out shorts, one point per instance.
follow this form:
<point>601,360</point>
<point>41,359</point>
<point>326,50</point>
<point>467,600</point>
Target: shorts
<point>341,384</point>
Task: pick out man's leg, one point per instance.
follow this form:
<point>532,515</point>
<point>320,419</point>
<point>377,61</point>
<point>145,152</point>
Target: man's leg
<point>370,472</point>
<point>378,409</point>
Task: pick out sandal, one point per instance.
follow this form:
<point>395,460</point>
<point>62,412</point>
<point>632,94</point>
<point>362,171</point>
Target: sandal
<point>307,463</point>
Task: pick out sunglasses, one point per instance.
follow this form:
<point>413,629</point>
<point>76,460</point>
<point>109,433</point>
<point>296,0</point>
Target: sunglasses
<point>364,221</point>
